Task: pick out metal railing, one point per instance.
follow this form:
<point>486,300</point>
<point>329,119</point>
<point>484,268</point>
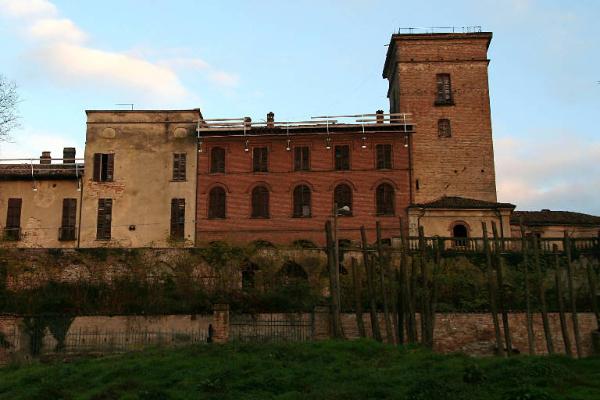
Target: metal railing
<point>440,29</point>
<point>245,328</point>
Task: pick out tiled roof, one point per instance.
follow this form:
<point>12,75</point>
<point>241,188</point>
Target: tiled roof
<point>462,203</point>
<point>548,217</point>
<point>11,172</point>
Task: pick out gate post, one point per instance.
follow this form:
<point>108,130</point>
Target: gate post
<point>220,323</point>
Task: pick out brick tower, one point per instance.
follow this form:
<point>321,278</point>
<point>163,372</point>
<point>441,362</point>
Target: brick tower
<point>442,80</point>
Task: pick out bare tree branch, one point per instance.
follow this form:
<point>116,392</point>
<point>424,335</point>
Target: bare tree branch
<point>9,115</point>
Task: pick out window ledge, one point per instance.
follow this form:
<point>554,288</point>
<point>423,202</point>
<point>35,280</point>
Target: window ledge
<point>442,103</point>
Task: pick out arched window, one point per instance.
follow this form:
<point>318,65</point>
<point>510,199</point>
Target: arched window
<point>260,202</point>
<point>460,234</point>
<point>217,200</point>
<point>217,160</point>
<point>302,201</point>
<point>342,196</point>
<point>385,199</point>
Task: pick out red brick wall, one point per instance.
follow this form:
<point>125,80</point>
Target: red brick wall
<point>462,165</point>
<point>281,227</point>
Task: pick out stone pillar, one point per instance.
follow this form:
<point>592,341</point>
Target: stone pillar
<point>321,323</point>
<point>220,323</point>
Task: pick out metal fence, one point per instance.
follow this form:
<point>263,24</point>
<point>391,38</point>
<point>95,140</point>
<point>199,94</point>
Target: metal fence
<point>271,328</point>
<point>95,341</point>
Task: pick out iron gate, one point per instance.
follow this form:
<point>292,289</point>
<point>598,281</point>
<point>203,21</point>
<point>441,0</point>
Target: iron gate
<point>271,328</point>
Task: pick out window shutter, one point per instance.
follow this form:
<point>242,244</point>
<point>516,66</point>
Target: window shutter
<point>13,216</point>
<point>260,202</point>
<point>69,213</point>
<point>110,167</point>
<point>298,158</point>
<point>177,218</point>
<point>264,159</point>
<point>104,222</point>
<point>385,199</point>
<point>175,166</point>
<point>217,203</point>
<point>97,166</point>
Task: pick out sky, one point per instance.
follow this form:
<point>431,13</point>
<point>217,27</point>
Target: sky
<point>306,58</point>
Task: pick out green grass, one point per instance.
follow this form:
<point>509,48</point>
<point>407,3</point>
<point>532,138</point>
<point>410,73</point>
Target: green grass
<point>322,370</point>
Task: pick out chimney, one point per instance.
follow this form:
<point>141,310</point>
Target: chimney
<point>247,122</point>
<point>45,158</point>
<point>69,155</point>
<point>271,120</point>
<point>379,116</point>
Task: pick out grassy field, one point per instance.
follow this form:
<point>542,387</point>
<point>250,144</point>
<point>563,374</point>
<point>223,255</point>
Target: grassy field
<point>323,370</point>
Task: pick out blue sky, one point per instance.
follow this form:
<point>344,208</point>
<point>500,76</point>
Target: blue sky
<point>305,58</point>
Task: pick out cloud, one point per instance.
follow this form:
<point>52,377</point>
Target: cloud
<point>33,141</point>
<point>61,50</point>
<point>556,171</point>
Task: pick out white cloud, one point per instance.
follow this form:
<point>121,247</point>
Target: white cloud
<point>31,143</point>
<point>557,171</point>
<point>56,29</point>
<point>61,51</point>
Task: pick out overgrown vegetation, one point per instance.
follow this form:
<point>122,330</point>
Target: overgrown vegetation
<point>322,370</point>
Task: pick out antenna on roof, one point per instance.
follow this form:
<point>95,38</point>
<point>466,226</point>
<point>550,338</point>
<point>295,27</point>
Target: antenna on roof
<point>125,104</point>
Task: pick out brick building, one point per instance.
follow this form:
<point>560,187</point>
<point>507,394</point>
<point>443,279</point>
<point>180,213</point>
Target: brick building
<point>166,178</point>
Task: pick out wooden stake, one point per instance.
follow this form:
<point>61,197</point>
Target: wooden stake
<point>403,295</point>
<point>530,336</point>
<point>500,280</point>
<point>561,305</point>
<point>335,305</point>
<point>542,295</point>
<point>357,299</point>
<point>370,286</point>
<point>572,299</point>
<point>384,292</point>
<point>492,289</point>
<point>425,294</point>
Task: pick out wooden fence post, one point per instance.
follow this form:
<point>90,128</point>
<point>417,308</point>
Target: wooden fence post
<point>492,289</point>
<point>334,289</point>
<point>357,299</point>
<point>542,294</point>
<point>384,293</point>
<point>561,305</point>
<point>370,286</point>
<point>500,280</point>
<point>567,245</point>
<point>530,336</point>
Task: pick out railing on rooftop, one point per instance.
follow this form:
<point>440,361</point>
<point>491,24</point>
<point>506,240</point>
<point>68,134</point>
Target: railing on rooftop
<point>33,166</point>
<point>440,29</point>
<point>325,122</point>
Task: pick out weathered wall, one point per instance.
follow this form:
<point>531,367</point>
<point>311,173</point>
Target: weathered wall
<point>143,143</point>
<point>239,180</point>
<point>461,165</point>
<point>437,222</point>
<point>41,212</point>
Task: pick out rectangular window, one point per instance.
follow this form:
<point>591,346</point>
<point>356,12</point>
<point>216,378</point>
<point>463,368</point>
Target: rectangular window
<point>177,219</point>
<point>69,219</point>
<point>104,167</point>
<point>444,129</point>
<point>443,90</point>
<point>179,166</point>
<point>260,159</point>
<point>12,231</point>
<point>342,157</point>
<point>104,223</point>
<point>301,158</point>
<point>384,156</point>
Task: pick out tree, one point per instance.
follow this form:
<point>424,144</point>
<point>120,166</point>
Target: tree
<point>9,116</point>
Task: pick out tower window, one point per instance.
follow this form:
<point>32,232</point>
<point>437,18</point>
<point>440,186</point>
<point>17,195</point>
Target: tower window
<point>177,219</point>
<point>342,158</point>
<point>384,156</point>
<point>444,129</point>
<point>301,158</point>
<point>104,167</point>
<point>260,159</point>
<point>217,203</point>
<point>385,199</point>
<point>443,90</point>
<point>179,166</point>
<point>217,160</point>
<point>104,222</point>
<point>302,201</point>
<point>260,202</point>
